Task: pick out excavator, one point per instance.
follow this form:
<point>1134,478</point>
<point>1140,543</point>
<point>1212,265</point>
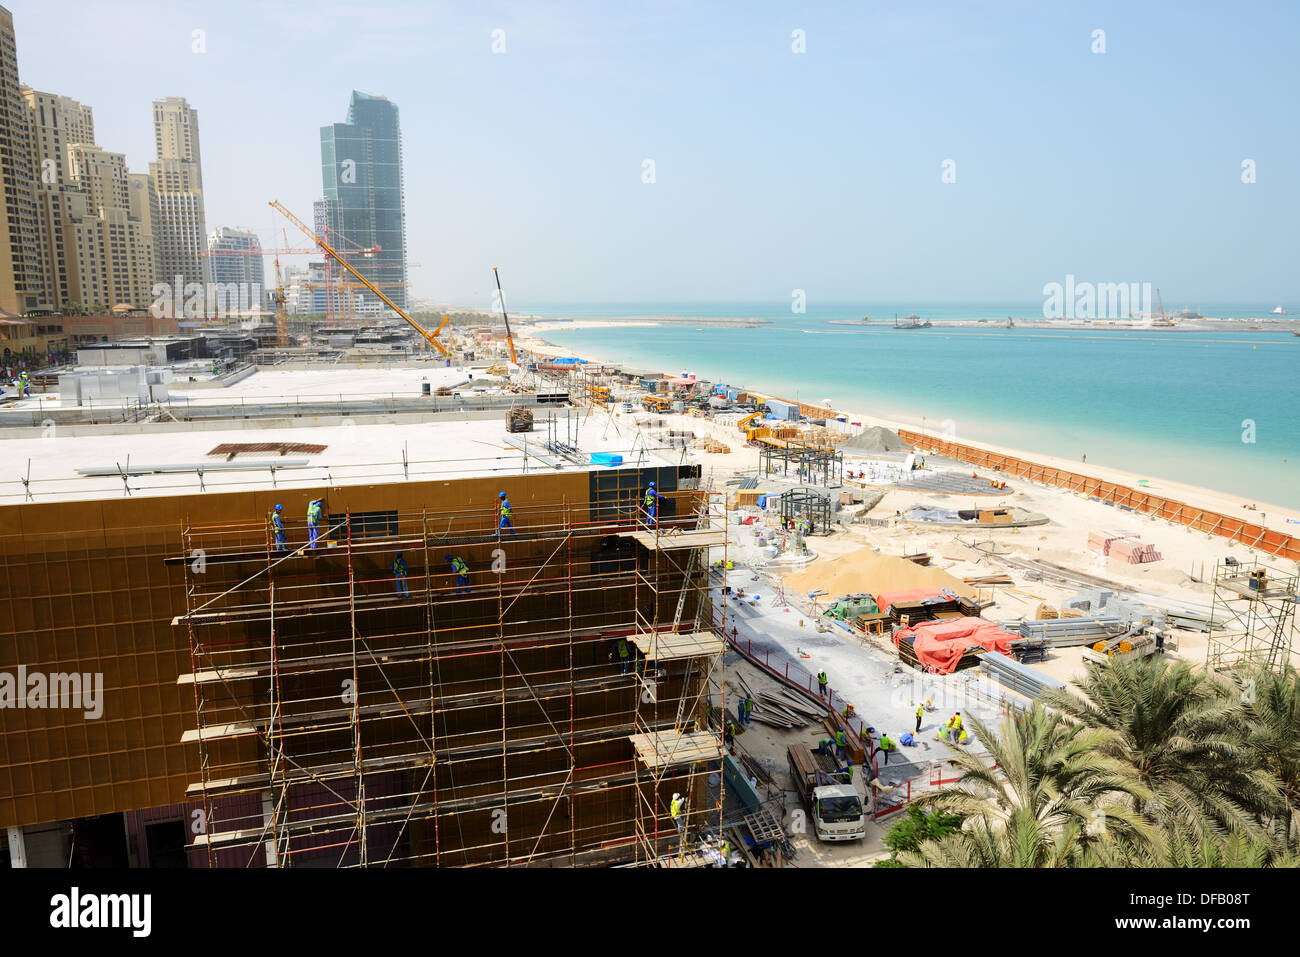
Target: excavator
<point>429,337</point>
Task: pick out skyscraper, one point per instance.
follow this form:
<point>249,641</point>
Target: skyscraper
<point>21,285</point>
<point>235,255</point>
<point>365,204</point>
<point>95,223</point>
<point>178,185</point>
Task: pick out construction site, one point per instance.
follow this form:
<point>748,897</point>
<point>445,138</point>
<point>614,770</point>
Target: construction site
<point>471,603</point>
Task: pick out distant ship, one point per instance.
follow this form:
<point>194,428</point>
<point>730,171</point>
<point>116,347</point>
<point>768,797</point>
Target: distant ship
<point>1279,311</point>
<point>912,322</point>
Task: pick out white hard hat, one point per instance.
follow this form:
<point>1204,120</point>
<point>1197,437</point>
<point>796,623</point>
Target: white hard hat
<point>676,795</point>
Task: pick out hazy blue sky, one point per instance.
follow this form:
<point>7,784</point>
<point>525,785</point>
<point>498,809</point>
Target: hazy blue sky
<point>774,170</point>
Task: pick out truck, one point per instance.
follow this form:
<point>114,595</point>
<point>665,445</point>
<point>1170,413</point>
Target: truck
<point>828,794</point>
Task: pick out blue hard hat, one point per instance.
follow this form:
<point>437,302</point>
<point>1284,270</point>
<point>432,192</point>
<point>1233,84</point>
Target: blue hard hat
<point>399,554</point>
<point>501,495</point>
<point>652,484</point>
<point>448,558</point>
<point>279,508</point>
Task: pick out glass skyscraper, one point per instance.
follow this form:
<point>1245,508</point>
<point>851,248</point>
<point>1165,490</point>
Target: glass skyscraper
<point>365,205</point>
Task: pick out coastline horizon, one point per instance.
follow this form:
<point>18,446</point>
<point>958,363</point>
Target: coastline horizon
<point>1273,515</point>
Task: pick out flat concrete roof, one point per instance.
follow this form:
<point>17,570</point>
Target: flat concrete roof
<point>164,458</point>
<point>459,447</point>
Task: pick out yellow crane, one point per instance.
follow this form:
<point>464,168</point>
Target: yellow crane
<point>281,313</point>
<point>429,337</point>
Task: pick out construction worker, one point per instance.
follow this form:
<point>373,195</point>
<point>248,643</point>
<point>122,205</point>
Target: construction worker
<point>821,682</point>
<point>313,522</point>
<point>676,808</point>
<point>651,503</point>
<point>964,738</point>
<point>277,526</point>
<point>399,575</point>
<point>24,385</point>
<point>749,710</point>
<point>825,746</point>
<point>459,566</point>
<point>920,713</point>
<point>954,726</point>
<point>847,712</point>
<point>886,745</point>
<point>841,744</point>
<point>216,369</point>
<point>624,656</point>
<point>505,514</point>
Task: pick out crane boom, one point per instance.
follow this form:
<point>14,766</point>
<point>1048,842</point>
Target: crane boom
<point>429,337</point>
<point>510,341</point>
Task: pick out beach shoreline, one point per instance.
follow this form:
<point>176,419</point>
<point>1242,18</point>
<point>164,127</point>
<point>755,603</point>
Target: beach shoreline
<point>1268,514</point>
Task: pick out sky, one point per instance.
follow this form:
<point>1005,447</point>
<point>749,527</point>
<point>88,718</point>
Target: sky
<point>773,170</point>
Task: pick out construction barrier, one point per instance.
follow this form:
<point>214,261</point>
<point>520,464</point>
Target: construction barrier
<point>1278,544</point>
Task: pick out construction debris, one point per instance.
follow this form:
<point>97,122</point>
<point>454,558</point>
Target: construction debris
<point>519,420</point>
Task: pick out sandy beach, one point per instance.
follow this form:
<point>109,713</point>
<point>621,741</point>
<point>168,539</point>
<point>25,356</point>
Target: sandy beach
<point>1268,514</point>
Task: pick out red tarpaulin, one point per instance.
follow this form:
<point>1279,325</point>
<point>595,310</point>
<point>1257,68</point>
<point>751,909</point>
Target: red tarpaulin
<point>940,644</point>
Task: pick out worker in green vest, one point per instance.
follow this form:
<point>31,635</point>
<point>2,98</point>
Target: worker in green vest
<point>399,575</point>
<point>749,709</point>
<point>675,808</point>
<point>886,745</point>
<point>841,744</point>
<point>954,726</point>
<point>920,713</point>
<point>624,656</point>
<point>821,682</point>
<point>461,570</point>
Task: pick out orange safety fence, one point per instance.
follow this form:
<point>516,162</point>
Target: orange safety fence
<point>1276,543</point>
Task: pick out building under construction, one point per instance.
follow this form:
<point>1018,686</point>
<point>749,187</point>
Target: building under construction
<point>422,688</point>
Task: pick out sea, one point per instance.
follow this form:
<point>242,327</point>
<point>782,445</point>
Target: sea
<point>1216,409</point>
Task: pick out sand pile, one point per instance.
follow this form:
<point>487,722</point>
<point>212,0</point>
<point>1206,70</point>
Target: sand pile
<point>874,439</point>
<point>867,571</point>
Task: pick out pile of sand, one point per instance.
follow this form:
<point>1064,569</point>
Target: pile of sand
<point>867,571</point>
<point>877,438</point>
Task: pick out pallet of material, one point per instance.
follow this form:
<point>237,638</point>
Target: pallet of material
<point>1103,542</point>
<point>1134,553</point>
<point>921,558</point>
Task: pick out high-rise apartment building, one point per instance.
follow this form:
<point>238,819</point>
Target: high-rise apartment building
<point>21,286</point>
<point>177,175</point>
<point>235,255</point>
<point>365,205</point>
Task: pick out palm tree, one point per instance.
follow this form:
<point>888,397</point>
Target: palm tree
<point>1182,844</point>
<point>1271,701</point>
<point>1054,792</point>
<point>1182,733</point>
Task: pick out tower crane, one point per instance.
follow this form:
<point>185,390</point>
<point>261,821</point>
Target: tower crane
<point>429,337</point>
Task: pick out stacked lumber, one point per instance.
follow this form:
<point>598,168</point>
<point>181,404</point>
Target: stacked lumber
<point>999,579</point>
<point>1046,612</point>
<point>711,445</point>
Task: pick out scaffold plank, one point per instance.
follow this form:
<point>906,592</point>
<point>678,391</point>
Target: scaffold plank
<point>663,748</point>
<point>670,646</point>
<point>674,540</point>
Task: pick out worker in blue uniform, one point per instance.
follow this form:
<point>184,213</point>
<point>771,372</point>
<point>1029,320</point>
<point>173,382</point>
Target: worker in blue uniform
<point>277,526</point>
<point>313,522</point>
<point>399,575</point>
<point>652,498</point>
<point>505,514</point>
<point>461,568</point>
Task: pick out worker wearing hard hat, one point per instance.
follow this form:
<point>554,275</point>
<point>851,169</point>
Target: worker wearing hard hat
<point>652,498</point>
<point>675,808</point>
<point>277,527</point>
<point>505,514</point>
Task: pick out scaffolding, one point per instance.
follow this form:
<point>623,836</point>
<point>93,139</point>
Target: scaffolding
<point>1252,616</point>
<point>354,711</point>
<point>812,465</point>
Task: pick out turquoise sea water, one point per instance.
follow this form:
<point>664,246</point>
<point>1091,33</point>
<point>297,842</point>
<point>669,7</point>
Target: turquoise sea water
<point>1172,405</point>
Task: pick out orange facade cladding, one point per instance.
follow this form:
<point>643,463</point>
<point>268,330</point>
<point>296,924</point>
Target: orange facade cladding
<point>1275,543</point>
<point>84,588</point>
